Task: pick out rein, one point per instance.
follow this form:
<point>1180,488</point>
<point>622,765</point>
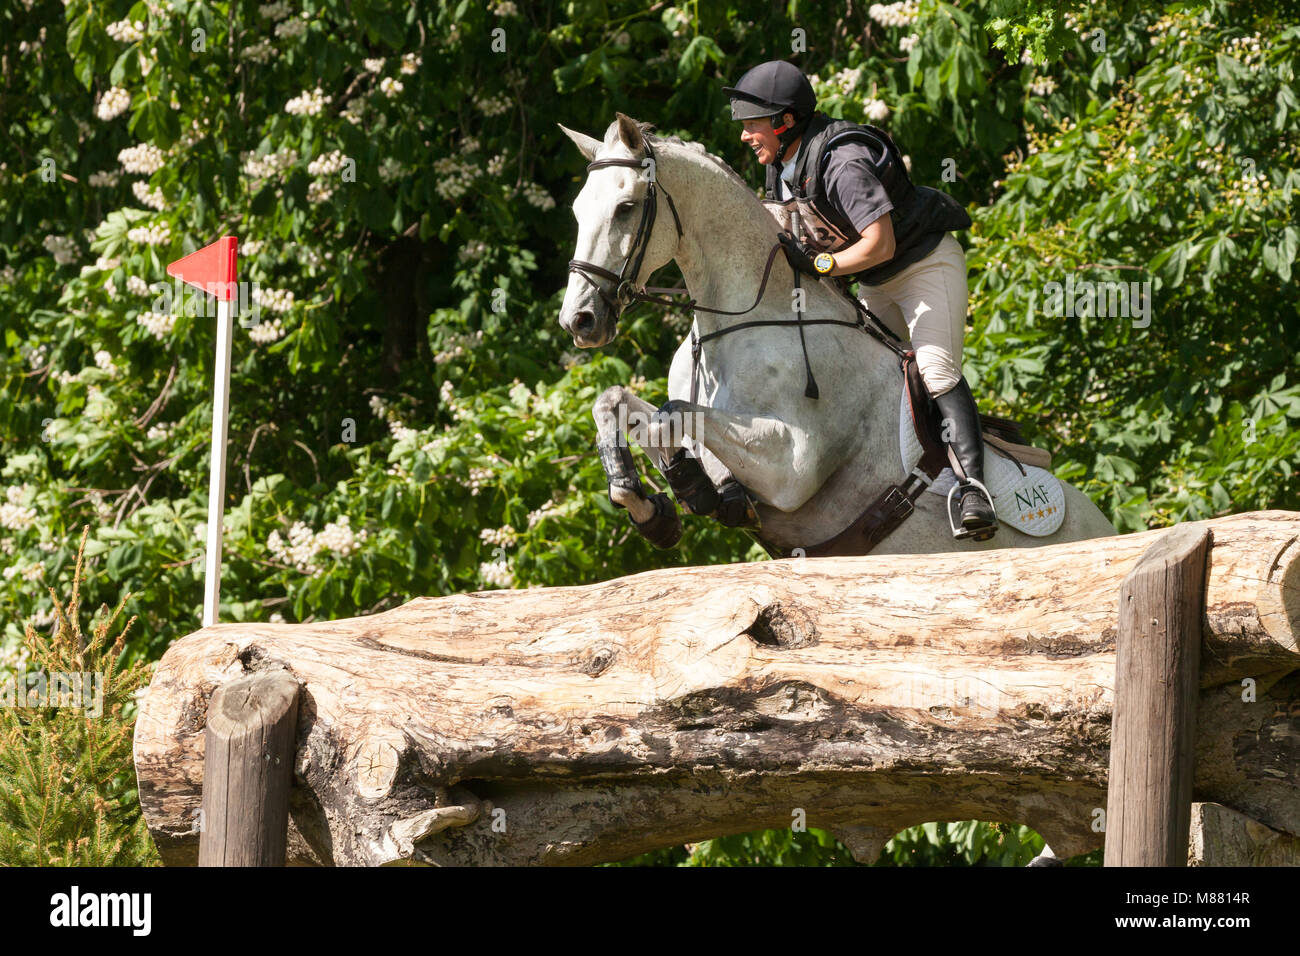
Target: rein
<point>625,290</point>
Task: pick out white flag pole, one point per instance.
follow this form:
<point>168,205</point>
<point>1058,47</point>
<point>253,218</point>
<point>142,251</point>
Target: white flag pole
<point>217,472</point>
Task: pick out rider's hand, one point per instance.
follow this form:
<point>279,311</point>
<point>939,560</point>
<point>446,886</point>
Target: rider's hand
<point>798,254</point>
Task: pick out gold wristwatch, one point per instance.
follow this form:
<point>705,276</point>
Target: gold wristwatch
<point>824,263</point>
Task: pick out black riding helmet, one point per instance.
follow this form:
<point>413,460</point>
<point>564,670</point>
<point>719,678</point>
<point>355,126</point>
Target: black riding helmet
<point>773,89</point>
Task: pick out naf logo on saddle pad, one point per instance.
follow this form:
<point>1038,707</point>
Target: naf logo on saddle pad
<point>1031,501</point>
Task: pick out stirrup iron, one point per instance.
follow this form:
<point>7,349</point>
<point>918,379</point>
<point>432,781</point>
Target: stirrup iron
<point>959,531</point>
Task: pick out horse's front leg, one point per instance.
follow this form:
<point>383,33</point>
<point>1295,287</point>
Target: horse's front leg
<point>774,460</point>
<point>620,415</point>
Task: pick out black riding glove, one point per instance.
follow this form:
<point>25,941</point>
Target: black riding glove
<point>798,254</point>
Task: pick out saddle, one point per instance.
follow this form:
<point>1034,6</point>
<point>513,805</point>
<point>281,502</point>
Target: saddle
<point>897,502</point>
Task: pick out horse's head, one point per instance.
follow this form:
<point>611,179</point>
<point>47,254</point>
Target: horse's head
<point>617,207</point>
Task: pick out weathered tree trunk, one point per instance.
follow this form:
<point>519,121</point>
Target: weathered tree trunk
<point>582,724</point>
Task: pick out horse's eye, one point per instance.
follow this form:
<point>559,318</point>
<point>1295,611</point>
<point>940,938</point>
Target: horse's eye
<point>625,207</point>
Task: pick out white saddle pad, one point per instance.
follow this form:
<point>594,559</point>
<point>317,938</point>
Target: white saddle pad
<point>1033,503</point>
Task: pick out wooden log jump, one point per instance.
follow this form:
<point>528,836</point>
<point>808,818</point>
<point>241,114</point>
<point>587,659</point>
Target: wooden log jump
<point>864,695</point>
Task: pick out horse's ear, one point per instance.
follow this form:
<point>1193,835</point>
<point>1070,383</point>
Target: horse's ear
<point>587,145</point>
<point>629,131</point>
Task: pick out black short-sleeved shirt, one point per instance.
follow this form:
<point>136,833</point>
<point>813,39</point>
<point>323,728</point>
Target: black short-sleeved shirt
<point>854,191</point>
<point>852,187</point>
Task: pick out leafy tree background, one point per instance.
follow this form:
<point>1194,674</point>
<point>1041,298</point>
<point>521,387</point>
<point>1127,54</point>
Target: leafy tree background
<point>408,418</point>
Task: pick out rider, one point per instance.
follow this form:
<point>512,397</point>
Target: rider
<point>844,177</point>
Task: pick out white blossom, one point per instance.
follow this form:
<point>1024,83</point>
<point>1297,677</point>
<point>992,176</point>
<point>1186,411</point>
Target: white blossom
<point>877,110</point>
<point>145,158</point>
<point>390,87</point>
<point>411,62</point>
<point>291,28</point>
<point>373,64</point>
<point>277,300</point>
<point>152,235</point>
<point>148,197</point>
<point>894,14</point>
<point>304,546</point>
<point>355,110</point>
<point>62,248</point>
<point>275,11</point>
<point>265,333</point>
<point>538,196</point>
<point>157,324</point>
<point>113,104</point>
<point>272,164</point>
<point>327,164</point>
<point>478,477</point>
<point>259,52</point>
<point>493,105</point>
<point>454,177</point>
<point>390,169</point>
<point>308,103</point>
<point>15,515</point>
<point>106,178</point>
<point>124,31</point>
<point>503,537</point>
<point>497,573</point>
<point>549,510</point>
<point>473,250</point>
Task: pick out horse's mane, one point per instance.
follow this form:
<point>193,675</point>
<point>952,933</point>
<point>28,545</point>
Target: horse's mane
<point>694,147</point>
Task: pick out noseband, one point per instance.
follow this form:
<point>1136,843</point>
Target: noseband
<point>625,279</point>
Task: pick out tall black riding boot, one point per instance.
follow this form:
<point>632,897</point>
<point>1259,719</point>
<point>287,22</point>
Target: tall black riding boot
<point>962,429</point>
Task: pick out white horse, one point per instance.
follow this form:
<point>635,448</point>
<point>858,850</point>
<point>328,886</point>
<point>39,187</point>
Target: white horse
<point>809,465</point>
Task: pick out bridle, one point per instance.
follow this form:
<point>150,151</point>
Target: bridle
<point>625,290</point>
<point>625,279</point>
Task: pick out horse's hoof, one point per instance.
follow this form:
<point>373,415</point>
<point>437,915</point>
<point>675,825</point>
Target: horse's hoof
<point>664,529</point>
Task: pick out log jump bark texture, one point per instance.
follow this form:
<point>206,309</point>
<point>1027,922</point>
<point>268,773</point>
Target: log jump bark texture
<point>584,724</point>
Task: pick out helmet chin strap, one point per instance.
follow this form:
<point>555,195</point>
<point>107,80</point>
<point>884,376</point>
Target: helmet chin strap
<point>785,135</point>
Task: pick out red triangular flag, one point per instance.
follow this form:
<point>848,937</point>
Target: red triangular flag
<point>211,269</point>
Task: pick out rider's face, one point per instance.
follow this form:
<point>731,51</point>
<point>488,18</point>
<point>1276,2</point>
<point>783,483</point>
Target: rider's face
<point>757,134</point>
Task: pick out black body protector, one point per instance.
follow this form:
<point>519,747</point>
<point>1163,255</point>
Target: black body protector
<point>920,216</point>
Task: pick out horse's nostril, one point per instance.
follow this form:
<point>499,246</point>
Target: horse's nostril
<point>584,323</point>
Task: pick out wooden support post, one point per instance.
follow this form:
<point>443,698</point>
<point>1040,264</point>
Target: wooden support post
<point>247,770</point>
<point>1153,733</point>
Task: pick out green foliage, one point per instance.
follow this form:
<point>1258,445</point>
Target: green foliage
<point>67,780</point>
<point>409,420</point>
<point>968,843</point>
